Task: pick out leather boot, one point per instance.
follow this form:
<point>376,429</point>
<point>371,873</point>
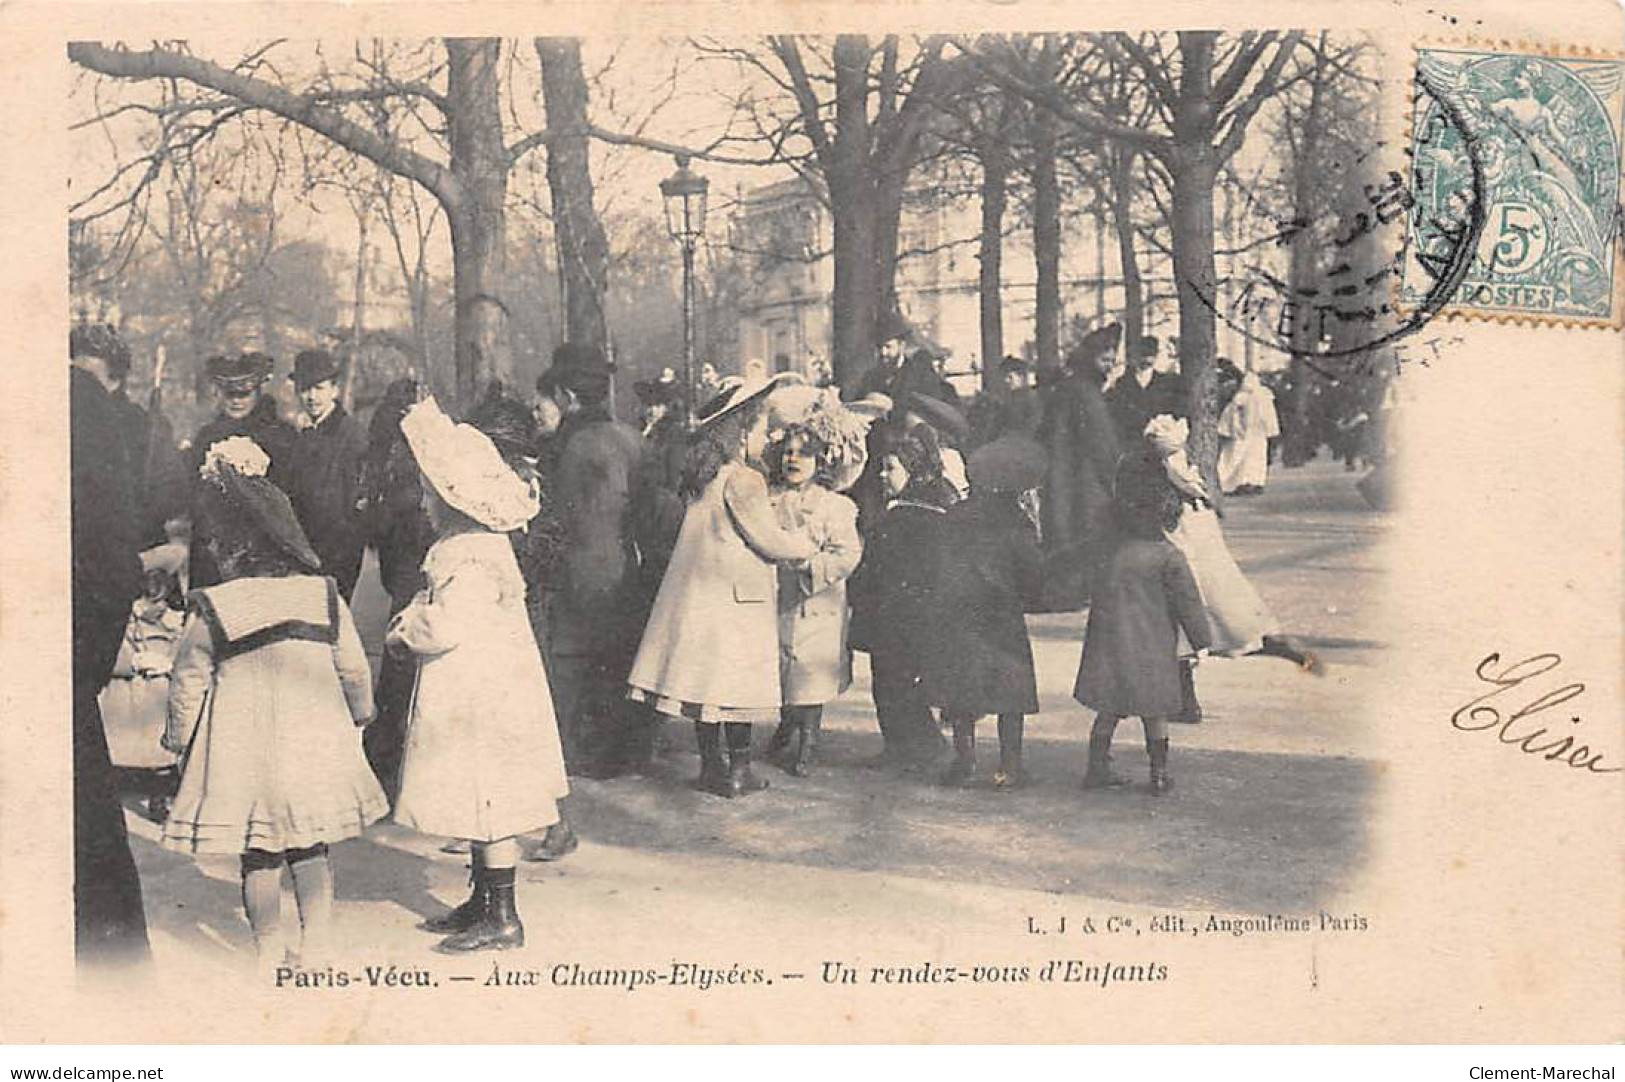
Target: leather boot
<point>741,780</point>
<point>1011,773</point>
<point>779,746</point>
<point>559,842</point>
<point>962,771</point>
<point>713,767</point>
<point>1157,751</point>
<point>802,764</point>
<point>1100,774</point>
<point>498,928</point>
<point>468,914</point>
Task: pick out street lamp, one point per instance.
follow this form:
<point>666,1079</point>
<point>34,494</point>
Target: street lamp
<point>684,195</point>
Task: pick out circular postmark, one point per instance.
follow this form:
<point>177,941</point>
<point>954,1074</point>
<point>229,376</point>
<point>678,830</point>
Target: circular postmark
<point>1339,296</point>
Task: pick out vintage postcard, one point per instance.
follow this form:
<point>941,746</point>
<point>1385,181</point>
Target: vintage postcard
<point>813,523</point>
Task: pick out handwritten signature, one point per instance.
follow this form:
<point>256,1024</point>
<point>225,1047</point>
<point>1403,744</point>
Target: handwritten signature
<point>1478,716</point>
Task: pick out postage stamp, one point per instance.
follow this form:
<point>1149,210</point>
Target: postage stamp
<point>1544,135</point>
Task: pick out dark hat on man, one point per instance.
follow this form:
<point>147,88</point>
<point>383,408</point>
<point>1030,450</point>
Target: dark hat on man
<point>1014,364</point>
<point>664,391</point>
<point>312,366</point>
<point>578,368</point>
<point>893,327</point>
<point>244,372</point>
<point>100,340</point>
<point>1145,346</point>
<point>1094,344</point>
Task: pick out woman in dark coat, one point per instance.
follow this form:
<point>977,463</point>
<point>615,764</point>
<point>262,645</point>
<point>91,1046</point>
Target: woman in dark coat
<point>1146,596</point>
<point>1081,442</point>
<point>990,572</point>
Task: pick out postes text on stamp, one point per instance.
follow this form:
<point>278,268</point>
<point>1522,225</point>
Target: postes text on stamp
<point>1542,134</point>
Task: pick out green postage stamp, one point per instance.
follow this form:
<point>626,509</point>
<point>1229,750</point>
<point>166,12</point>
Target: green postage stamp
<point>1518,155</point>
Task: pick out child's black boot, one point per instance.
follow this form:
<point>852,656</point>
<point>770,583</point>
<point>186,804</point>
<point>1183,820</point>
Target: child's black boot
<point>801,766</point>
<point>963,769</point>
<point>498,928</point>
<point>1011,774</point>
<point>468,914</point>
<point>742,781</point>
<point>1100,774</point>
<point>1157,750</point>
<point>713,767</point>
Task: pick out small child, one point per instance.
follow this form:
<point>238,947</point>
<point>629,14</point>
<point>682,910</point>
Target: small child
<point>269,685</point>
<point>1147,594</point>
<point>990,573</point>
<point>482,760</point>
<point>135,702</point>
<point>710,650</point>
<point>895,612</point>
<point>815,659</point>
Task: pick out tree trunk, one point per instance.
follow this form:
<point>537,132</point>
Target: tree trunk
<point>990,252</point>
<point>853,199</point>
<point>1128,259</point>
<point>1046,243</point>
<point>583,250</point>
<point>1302,272</point>
<point>1195,168</point>
<point>479,163</point>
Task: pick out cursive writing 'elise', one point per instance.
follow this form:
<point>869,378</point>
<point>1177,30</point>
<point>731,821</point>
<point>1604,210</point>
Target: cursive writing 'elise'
<point>1518,728</point>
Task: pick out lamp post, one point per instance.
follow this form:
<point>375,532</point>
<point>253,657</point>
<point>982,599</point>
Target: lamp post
<point>684,196</point>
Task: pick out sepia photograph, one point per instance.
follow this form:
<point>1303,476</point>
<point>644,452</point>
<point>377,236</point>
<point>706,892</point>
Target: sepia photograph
<point>997,531</point>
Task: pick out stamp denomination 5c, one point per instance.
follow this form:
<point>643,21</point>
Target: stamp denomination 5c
<point>1544,133</point>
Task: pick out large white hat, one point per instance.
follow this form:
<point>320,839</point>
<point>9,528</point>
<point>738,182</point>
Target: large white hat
<point>737,391</point>
<point>466,469</point>
<point>843,430</point>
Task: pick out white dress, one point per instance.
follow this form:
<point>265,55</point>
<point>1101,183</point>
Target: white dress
<point>269,681</point>
<point>1237,616</point>
<point>482,758</point>
<point>1247,424</point>
<point>135,701</point>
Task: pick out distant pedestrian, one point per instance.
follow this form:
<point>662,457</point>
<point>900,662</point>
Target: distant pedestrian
<point>1246,427</point>
<point>1081,445</point>
<point>330,450</point>
<point>269,685</point>
<point>710,652</point>
<point>482,759</point>
<point>990,572</point>
<point>1147,596</point>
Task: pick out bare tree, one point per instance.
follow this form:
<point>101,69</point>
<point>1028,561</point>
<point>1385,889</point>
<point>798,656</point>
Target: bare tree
<point>1205,94</point>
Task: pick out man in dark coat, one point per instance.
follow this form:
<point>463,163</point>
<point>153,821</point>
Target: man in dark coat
<point>1082,446</point>
<point>657,501</point>
<point>109,922</point>
<point>895,337</point>
<point>594,597</point>
<point>245,410</point>
<point>1143,393</point>
<point>329,451</point>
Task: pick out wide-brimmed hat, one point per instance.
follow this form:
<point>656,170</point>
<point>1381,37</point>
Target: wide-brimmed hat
<point>244,372</point>
<point>664,391</point>
<point>466,469</point>
<point>579,368</point>
<point>943,417</point>
<point>237,467</point>
<point>312,366</point>
<point>100,340</point>
<point>1095,343</point>
<point>739,391</point>
<point>1011,463</point>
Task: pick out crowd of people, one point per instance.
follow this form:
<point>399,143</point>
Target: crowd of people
<point>560,584</point>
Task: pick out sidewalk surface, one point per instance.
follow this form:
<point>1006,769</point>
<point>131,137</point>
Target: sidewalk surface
<point>1268,815</point>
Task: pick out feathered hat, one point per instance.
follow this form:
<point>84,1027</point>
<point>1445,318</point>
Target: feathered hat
<point>467,470</point>
<point>843,431</point>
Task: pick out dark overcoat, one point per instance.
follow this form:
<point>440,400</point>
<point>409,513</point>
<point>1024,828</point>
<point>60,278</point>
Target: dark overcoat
<point>109,922</point>
<point>1130,664</point>
<point>326,481</point>
<point>1076,507</point>
<point>990,572</point>
<point>894,589</point>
